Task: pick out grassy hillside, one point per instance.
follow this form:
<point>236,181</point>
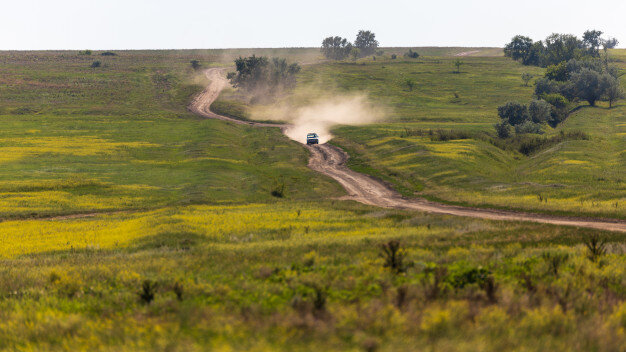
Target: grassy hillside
<point>79,139</point>
<point>210,260</point>
<point>567,177</point>
<point>305,276</point>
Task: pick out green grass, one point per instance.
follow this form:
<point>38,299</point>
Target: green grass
<point>573,177</point>
<point>304,276</point>
<point>300,273</point>
<point>79,139</point>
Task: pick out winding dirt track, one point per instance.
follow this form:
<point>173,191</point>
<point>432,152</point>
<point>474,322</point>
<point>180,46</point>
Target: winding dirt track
<point>330,160</point>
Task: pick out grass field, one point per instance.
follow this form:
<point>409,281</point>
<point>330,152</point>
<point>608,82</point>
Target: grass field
<point>304,276</point>
<point>195,253</point>
<point>574,177</point>
<point>78,139</point>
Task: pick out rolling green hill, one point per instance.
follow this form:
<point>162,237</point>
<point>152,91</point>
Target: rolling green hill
<point>189,251</point>
<point>574,177</point>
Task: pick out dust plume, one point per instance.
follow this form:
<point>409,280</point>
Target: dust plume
<point>319,116</point>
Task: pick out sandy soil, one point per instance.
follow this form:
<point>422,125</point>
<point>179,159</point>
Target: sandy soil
<point>330,160</point>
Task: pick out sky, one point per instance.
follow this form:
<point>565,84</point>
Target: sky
<point>188,24</point>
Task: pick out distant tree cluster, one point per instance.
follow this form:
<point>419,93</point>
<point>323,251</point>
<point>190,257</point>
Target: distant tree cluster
<point>588,80</point>
<point>338,48</point>
<point>557,48</point>
<point>524,118</point>
<point>575,71</point>
<point>260,76</point>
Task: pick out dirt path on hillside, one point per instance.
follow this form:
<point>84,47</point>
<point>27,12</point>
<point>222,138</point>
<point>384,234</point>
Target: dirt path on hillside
<point>330,160</point>
<point>468,53</point>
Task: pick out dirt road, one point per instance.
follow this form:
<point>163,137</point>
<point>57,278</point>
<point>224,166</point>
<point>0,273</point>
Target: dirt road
<point>330,160</point>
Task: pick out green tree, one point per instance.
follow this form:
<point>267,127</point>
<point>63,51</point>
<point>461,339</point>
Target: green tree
<point>513,112</point>
<point>539,111</point>
<point>195,64</point>
<point>355,53</point>
<point>526,77</point>
<point>587,85</point>
<point>562,47</point>
<point>503,129</point>
<point>409,83</point>
<point>260,76</point>
<point>366,42</point>
<point>411,54</point>
<point>612,89</point>
<point>336,48</point>
<point>519,49</point>
<point>592,41</point>
<point>458,64</point>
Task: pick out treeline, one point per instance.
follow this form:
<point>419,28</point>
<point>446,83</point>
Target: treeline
<point>557,48</point>
<point>576,70</point>
<point>338,48</point>
<point>260,77</point>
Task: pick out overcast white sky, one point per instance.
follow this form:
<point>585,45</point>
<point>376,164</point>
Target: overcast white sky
<point>154,24</point>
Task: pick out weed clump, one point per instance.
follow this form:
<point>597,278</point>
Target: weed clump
<point>596,247</point>
<point>394,256</point>
<point>148,291</point>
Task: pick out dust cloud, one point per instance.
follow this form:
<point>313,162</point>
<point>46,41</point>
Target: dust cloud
<point>321,115</point>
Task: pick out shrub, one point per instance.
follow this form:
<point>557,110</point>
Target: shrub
<point>148,290</point>
<point>526,77</point>
<point>539,111</point>
<point>393,256</point>
<point>528,127</point>
<point>96,64</point>
<point>108,53</point>
<point>554,260</point>
<point>513,112</point>
<point>596,247</point>
<point>411,54</point>
<point>84,52</point>
<point>503,129</point>
<point>278,190</point>
<point>394,56</point>
<point>178,290</point>
<point>195,64</point>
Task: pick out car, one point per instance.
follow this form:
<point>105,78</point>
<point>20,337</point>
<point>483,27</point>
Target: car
<point>312,138</point>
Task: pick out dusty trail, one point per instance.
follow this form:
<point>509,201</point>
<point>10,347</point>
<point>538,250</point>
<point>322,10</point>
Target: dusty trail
<point>330,160</point>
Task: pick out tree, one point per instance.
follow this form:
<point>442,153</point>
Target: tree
<point>259,76</point>
<point>355,53</point>
<point>410,84</point>
<point>539,111</point>
<point>557,72</point>
<point>587,85</point>
<point>411,54</point>
<point>366,42</point>
<point>503,129</point>
<point>458,64</point>
<point>336,48</point>
<point>562,47</point>
<point>513,112</point>
<point>609,43</point>
<point>251,72</point>
<point>592,41</point>
<point>519,49</point>
<point>612,89</point>
<point>559,110</point>
<point>195,64</point>
<point>526,77</point>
